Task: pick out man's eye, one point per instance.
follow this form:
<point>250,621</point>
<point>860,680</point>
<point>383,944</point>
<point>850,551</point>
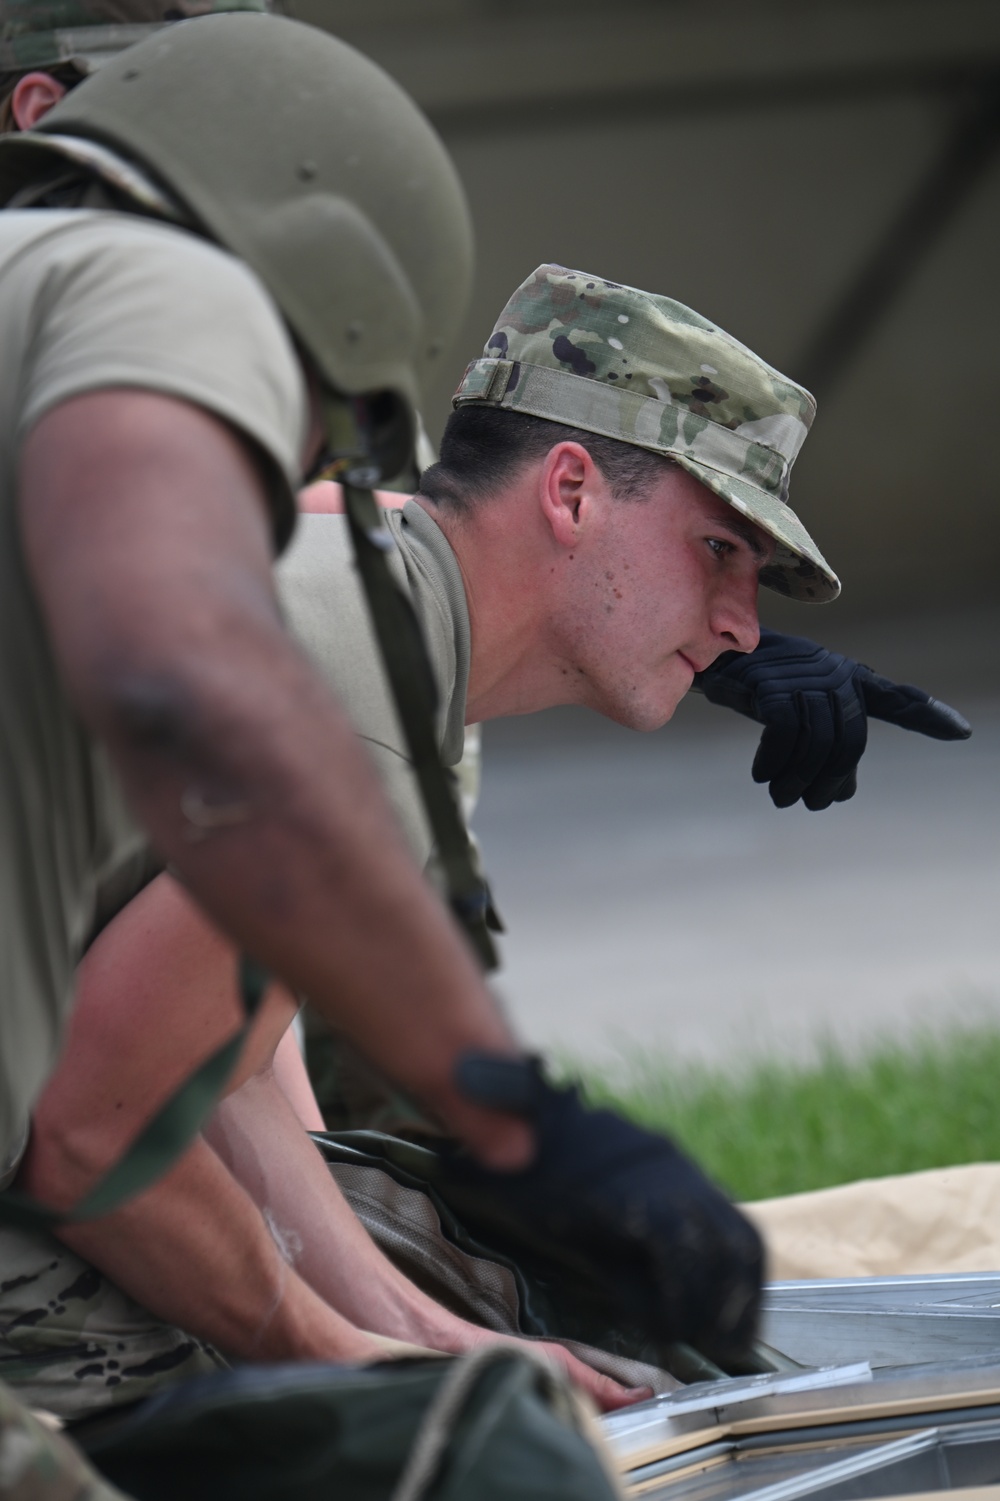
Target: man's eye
<point>721,548</point>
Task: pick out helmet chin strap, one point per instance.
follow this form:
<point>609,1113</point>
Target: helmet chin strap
<point>408,669</point>
<point>108,167</point>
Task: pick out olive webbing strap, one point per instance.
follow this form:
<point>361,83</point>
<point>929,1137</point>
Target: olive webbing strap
<point>411,679</point>
<point>161,1142</point>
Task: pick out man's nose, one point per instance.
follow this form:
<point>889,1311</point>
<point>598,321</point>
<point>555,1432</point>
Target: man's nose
<point>735,617</point>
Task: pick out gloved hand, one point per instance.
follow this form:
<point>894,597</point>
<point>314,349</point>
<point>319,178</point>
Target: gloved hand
<point>815,706</point>
<point>617,1210</point>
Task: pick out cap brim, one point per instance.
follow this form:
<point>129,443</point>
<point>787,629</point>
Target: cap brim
<point>798,569</point>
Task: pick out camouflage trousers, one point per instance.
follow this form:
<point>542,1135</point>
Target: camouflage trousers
<point>73,1343</point>
<point>37,1464</point>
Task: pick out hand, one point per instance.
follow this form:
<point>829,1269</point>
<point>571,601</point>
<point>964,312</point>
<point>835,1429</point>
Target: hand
<point>607,1394</point>
<point>617,1209</point>
<point>815,706</point>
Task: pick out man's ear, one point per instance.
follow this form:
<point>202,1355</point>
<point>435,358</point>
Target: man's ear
<point>34,95</point>
<point>569,485</point>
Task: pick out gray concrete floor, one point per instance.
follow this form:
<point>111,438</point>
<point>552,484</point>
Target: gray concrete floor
<point>655,899</point>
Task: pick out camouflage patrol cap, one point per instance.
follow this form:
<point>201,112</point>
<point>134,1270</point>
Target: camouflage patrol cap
<point>610,359</point>
<point>48,33</point>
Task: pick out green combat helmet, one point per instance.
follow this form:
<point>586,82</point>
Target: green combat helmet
<point>610,359</point>
<point>300,156</point>
<point>85,33</point>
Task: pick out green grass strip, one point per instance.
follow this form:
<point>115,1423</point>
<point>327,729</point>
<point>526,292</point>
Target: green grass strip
<point>780,1127</point>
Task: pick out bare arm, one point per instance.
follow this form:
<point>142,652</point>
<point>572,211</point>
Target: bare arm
<point>247,1242</point>
<point>257,1134</point>
<point>325,498</point>
<point>145,530</point>
<point>155,993</point>
<point>293,1080</point>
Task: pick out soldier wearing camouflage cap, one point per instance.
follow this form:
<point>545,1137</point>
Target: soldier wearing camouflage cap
<point>69,39</point>
<point>85,33</point>
<point>612,488</point>
<point>644,371</point>
<point>647,371</point>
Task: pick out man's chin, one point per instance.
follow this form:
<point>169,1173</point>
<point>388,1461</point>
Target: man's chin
<point>660,707</point>
<point>646,717</point>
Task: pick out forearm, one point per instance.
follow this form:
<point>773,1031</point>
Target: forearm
<point>258,1136</point>
<point>312,876</point>
<point>195,1251</point>
<point>293,1080</point>
<point>147,538</point>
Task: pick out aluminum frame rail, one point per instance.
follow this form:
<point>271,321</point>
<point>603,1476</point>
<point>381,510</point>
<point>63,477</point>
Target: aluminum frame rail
<point>888,1321</point>
<point>910,1403</point>
<point>835,1466</point>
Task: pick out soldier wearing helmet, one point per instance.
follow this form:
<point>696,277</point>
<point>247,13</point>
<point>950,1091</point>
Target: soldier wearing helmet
<point>210,299</point>
<point>75,168</point>
<point>195,306</point>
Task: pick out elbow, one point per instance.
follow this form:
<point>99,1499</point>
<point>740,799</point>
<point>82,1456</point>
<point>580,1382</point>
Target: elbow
<point>147,711</point>
<point>146,716</point>
<point>61,1163</point>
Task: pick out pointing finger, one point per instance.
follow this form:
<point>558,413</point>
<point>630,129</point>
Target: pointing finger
<point>912,709</point>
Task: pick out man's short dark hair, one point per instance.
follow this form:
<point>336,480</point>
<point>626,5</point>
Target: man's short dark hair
<point>483,447</point>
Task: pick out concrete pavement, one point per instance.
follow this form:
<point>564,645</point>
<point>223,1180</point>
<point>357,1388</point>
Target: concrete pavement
<point>656,899</point>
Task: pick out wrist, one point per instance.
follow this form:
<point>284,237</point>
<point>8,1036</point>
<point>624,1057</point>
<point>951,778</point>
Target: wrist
<point>502,1143</point>
<point>392,1308</point>
<point>487,1102</point>
<point>434,1328</point>
<point>299,1325</point>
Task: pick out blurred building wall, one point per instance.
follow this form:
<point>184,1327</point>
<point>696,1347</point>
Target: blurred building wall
<point>749,159</point>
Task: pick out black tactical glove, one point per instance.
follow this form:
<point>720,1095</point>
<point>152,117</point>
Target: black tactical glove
<point>617,1211</point>
<point>815,706</point>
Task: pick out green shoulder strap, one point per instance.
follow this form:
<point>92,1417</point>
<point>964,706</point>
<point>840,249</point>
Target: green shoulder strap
<point>167,1135</point>
<point>411,679</point>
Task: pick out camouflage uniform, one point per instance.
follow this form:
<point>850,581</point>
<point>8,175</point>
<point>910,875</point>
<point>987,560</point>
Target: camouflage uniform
<point>72,1342</point>
<point>650,372</point>
<point>38,1464</point>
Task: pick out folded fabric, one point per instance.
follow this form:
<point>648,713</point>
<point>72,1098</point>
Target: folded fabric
<point>942,1220</point>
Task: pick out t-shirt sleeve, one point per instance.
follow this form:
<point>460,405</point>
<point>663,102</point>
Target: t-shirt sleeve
<point>117,301</point>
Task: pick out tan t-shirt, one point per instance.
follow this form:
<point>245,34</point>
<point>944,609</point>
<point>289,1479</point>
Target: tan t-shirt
<point>325,608</point>
<point>89,301</point>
